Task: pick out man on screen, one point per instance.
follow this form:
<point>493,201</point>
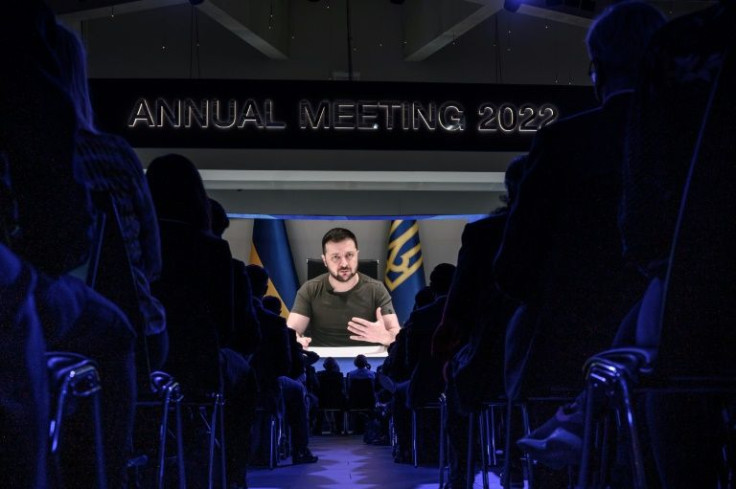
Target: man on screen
<point>343,305</point>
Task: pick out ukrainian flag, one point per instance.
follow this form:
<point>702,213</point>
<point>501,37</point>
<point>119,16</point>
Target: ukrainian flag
<point>404,266</point>
<point>270,249</point>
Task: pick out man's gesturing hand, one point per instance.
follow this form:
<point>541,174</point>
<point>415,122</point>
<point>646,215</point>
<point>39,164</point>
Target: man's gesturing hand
<point>370,331</point>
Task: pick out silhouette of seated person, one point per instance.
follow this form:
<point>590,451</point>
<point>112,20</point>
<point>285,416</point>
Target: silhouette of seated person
<point>561,253</point>
<point>247,332</point>
<point>667,135</point>
<point>24,418</point>
<point>276,361</point>
<point>196,288</point>
<point>471,335</point>
<point>29,140</point>
<point>331,394</point>
<point>425,383</point>
<point>112,168</point>
<point>242,342</point>
<point>48,221</point>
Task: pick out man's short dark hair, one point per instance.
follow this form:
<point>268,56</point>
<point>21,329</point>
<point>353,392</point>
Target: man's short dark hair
<point>336,235</point>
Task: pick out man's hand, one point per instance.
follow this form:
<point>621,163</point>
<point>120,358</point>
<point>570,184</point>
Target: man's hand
<point>370,331</point>
<point>304,341</point>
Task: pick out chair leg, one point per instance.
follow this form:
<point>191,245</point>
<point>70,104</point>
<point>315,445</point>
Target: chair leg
<point>163,431</point>
<point>223,445</point>
<point>493,434</point>
<point>443,439</point>
<point>99,447</point>
<point>527,430</point>
<point>637,459</point>
<point>180,446</point>
<point>505,474</point>
<point>470,467</point>
<point>414,454</point>
<point>483,431</point>
<point>584,473</point>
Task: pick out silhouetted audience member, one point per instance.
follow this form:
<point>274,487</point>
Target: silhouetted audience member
<point>687,75</point>
<point>272,304</point>
<point>471,335</point>
<point>424,297</point>
<point>51,230</point>
<point>362,370</point>
<point>196,287</point>
<point>331,394</point>
<point>425,381</point>
<point>243,340</point>
<point>247,332</point>
<point>274,364</point>
<point>33,105</point>
<point>24,405</point>
<point>561,252</point>
<point>567,267</point>
<point>111,167</point>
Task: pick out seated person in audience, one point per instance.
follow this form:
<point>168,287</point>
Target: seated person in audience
<point>247,332</point>
<point>362,370</point>
<point>196,287</point>
<point>471,335</point>
<point>425,383</point>
<point>24,406</point>
<point>24,416</point>
<point>272,304</point>
<point>51,231</point>
<point>275,365</point>
<point>112,167</point>
<point>331,393</point>
<point>424,297</point>
<point>561,253</point>
<point>668,110</point>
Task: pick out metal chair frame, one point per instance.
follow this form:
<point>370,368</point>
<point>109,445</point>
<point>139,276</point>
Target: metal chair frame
<point>79,379</point>
<point>170,399</point>
<point>414,426</point>
<point>614,379</point>
<point>214,421</point>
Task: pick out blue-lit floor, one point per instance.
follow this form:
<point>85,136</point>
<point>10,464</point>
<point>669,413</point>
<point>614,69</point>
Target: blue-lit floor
<point>347,462</point>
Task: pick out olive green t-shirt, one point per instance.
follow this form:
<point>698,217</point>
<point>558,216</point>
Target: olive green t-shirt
<point>329,311</point>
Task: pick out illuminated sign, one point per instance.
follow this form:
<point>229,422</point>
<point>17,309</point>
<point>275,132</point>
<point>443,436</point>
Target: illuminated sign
<point>331,115</point>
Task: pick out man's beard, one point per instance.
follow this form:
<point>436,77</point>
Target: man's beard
<point>340,278</point>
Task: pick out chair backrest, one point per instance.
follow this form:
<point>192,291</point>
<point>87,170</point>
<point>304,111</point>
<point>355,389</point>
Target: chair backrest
<point>699,315</point>
<point>112,275</point>
<point>331,391</point>
<point>361,394</point>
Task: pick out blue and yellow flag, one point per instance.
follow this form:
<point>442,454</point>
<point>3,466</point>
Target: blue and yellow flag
<point>270,249</point>
<point>404,266</point>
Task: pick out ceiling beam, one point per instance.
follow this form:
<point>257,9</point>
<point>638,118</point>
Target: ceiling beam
<point>99,10</point>
<point>554,15</point>
<point>421,50</point>
<point>249,20</point>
